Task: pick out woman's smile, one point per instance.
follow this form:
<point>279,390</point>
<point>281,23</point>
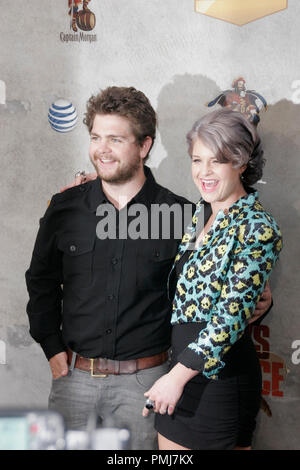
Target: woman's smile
<point>219,182</point>
<point>209,185</point>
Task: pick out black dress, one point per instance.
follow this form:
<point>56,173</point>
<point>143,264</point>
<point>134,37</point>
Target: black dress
<point>215,414</point>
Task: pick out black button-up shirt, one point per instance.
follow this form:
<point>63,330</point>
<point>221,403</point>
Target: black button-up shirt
<point>97,281</point>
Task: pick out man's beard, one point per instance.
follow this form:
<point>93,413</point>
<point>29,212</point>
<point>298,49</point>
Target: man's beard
<point>123,174</point>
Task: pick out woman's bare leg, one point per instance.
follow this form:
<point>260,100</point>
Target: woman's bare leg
<point>165,444</point>
<point>243,448</point>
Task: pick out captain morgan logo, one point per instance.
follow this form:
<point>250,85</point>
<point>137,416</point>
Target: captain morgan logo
<point>81,22</point>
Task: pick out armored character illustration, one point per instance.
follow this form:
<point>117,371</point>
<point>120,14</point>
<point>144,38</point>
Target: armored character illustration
<point>84,19</point>
<point>247,102</point>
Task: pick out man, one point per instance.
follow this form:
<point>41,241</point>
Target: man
<point>73,10</point>
<point>106,333</point>
<point>247,102</point>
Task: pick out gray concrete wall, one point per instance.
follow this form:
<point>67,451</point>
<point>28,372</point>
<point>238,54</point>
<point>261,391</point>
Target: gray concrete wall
<point>181,60</point>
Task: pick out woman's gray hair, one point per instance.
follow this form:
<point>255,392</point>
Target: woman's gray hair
<point>232,138</point>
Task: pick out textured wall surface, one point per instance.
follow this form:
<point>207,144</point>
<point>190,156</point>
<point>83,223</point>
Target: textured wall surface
<point>181,60</point>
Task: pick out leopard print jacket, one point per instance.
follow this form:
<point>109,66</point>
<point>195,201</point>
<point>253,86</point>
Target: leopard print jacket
<point>223,278</point>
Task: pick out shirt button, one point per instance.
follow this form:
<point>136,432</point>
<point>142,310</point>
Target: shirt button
<point>111,297</point>
<point>114,261</point>
<point>108,332</point>
<point>73,248</point>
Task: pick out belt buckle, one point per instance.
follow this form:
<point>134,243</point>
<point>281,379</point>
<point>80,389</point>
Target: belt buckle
<point>92,371</point>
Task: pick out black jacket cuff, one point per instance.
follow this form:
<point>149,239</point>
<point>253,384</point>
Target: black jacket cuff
<point>191,360</point>
<point>53,345</point>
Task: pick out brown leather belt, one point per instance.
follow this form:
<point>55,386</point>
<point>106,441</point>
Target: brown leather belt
<point>101,367</point>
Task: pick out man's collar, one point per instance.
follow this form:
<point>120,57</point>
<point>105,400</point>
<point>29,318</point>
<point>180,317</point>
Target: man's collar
<point>96,195</point>
<point>145,194</point>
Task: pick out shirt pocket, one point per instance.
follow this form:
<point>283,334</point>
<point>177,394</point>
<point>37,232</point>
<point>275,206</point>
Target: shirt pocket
<point>154,262</point>
<point>78,260</point>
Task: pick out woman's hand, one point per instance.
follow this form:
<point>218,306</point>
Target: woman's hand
<point>80,178</point>
<point>165,393</point>
<point>167,390</point>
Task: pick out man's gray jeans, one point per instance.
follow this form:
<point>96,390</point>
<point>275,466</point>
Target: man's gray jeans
<point>116,397</point>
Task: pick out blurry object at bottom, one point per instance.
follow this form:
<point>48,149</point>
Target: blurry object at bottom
<point>99,439</point>
<point>46,430</point>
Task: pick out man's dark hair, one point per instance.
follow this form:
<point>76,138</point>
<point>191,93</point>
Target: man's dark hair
<point>126,102</point>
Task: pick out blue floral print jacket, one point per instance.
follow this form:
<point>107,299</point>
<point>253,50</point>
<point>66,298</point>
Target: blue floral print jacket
<point>223,278</point>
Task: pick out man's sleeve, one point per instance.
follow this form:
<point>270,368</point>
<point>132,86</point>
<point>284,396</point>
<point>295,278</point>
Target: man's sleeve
<point>44,285</point>
<point>244,283</point>
<point>263,316</point>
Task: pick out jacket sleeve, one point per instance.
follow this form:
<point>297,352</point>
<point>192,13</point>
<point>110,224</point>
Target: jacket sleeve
<point>44,285</point>
<point>249,266</point>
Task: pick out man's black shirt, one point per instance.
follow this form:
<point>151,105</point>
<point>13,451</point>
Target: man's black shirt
<point>105,297</point>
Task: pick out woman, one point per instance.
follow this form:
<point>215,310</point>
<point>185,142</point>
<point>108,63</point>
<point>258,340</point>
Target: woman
<point>210,397</point>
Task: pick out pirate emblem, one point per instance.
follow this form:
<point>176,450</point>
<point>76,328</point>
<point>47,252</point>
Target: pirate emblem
<point>247,102</point>
<point>83,19</point>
